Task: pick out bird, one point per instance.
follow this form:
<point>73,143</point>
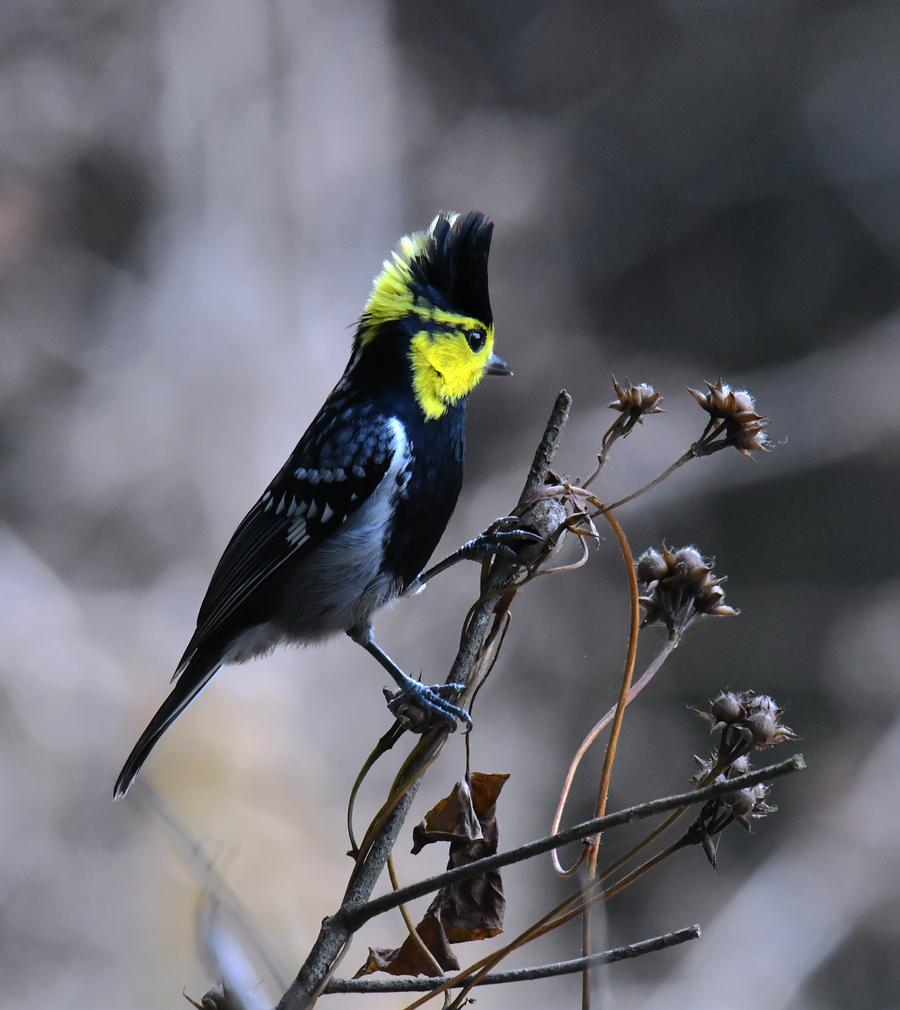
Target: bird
<point>352,518</point>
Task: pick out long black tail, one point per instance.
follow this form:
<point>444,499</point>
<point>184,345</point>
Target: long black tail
<point>195,677</point>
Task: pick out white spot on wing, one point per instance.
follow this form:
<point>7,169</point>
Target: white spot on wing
<point>297,534</point>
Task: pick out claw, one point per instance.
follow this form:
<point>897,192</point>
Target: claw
<point>419,705</point>
<point>496,540</point>
<point>416,703</point>
<point>493,542</point>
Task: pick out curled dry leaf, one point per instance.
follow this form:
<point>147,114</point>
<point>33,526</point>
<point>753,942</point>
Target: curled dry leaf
<point>474,909</point>
<point>408,958</point>
<point>470,910</point>
<point>451,819</point>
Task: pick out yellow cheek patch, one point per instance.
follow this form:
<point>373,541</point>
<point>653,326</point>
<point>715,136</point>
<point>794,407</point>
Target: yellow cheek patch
<point>444,368</point>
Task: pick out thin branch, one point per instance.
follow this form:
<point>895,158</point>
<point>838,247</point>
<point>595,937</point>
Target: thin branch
<point>543,457</point>
<point>585,745</point>
<point>363,985</point>
<point>615,730</point>
<point>669,470</point>
<point>356,917</point>
<point>410,925</point>
<point>565,912</point>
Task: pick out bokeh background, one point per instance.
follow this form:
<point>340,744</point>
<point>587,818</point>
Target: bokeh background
<point>194,198</point>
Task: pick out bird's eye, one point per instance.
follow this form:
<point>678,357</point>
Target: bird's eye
<point>476,339</point>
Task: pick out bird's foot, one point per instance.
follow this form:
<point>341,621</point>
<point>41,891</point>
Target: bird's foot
<point>494,542</point>
<point>498,539</point>
<point>422,707</point>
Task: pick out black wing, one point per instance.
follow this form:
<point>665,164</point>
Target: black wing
<point>333,470</point>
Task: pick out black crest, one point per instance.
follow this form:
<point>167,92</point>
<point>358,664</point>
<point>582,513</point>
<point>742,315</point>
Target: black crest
<point>452,270</point>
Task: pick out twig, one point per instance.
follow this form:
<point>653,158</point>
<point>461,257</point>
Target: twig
<point>658,479</point>
<point>543,457</point>
<point>585,745</point>
<point>410,925</point>
<point>570,908</point>
<point>363,985</point>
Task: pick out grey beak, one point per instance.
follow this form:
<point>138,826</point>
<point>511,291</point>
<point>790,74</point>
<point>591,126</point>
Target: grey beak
<point>497,366</point>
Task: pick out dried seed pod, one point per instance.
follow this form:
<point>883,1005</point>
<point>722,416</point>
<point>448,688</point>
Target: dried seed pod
<point>739,766</point>
<point>744,804</point>
<point>752,718</point>
<point>733,421</point>
<point>635,401</point>
<point>726,708</point>
<point>651,567</point>
<point>679,588</point>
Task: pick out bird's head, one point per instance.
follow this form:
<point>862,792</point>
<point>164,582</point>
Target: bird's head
<point>433,295</point>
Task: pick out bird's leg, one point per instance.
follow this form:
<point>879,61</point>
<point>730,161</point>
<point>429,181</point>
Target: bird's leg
<point>494,540</point>
<point>430,699</point>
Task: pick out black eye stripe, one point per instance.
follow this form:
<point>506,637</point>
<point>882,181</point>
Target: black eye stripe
<point>476,339</point>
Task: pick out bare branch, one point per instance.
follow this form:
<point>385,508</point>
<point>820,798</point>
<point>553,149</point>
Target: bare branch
<point>543,457</point>
<point>368,985</point>
<point>356,917</point>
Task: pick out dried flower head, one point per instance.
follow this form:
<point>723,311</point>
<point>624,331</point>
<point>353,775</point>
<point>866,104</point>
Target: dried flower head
<point>746,803</point>
<point>742,804</point>
<point>739,766</point>
<point>733,421</point>
<point>726,709</point>
<point>762,721</point>
<point>633,402</point>
<point>636,400</point>
<point>679,588</point>
<point>746,720</point>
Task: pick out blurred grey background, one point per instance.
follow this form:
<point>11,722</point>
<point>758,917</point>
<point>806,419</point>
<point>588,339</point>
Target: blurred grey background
<point>194,198</point>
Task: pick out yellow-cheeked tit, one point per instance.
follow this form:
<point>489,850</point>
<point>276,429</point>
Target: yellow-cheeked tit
<point>351,519</point>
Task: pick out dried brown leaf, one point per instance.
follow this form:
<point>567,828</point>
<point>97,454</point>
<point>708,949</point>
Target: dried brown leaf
<point>474,909</point>
<point>408,959</point>
<point>470,910</point>
<point>451,819</point>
